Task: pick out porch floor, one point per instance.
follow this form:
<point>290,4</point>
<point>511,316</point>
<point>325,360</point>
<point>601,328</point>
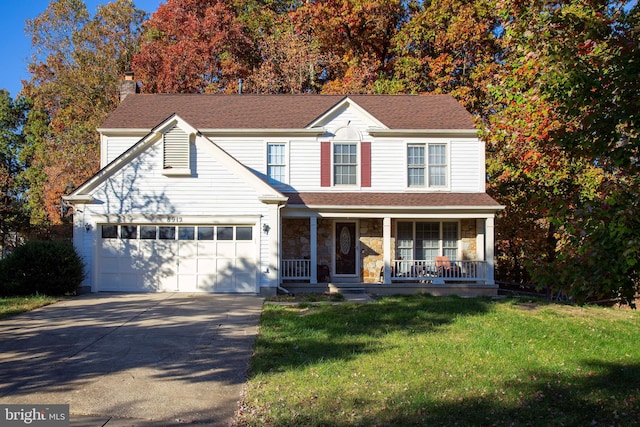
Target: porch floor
<point>463,289</point>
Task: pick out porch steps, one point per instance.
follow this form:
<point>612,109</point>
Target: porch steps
<point>346,288</point>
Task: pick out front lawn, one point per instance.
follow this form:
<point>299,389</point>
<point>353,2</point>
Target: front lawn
<point>14,305</point>
<point>420,360</point>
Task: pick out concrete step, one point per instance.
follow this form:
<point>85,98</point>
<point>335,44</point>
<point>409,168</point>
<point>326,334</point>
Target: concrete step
<point>346,288</point>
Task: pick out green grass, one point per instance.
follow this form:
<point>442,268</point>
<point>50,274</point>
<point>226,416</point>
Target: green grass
<point>421,360</point>
<point>15,305</point>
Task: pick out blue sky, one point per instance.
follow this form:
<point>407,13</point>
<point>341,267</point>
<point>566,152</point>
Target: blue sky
<point>15,46</point>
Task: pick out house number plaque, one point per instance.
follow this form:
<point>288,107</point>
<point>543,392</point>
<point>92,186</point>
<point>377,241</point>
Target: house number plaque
<point>174,219</point>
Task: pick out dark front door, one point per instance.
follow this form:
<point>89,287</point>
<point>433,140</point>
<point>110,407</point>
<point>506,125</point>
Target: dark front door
<point>345,249</point>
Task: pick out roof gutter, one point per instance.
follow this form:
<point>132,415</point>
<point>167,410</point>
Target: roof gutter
<point>470,133</point>
<point>260,132</point>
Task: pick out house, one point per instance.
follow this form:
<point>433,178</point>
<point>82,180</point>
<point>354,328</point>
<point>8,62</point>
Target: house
<point>255,193</point>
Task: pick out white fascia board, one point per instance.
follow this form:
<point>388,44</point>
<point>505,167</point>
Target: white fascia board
<point>352,103</point>
<point>123,131</point>
<point>273,199</point>
<point>81,198</point>
<point>395,211</point>
<point>264,132</point>
<point>471,133</point>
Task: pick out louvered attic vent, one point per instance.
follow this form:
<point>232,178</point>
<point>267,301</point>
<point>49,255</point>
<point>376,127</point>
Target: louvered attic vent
<point>176,152</point>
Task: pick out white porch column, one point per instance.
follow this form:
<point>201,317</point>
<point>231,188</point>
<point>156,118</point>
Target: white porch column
<point>274,224</point>
<point>386,242</point>
<point>489,249</point>
<point>480,233</point>
<point>313,241</point>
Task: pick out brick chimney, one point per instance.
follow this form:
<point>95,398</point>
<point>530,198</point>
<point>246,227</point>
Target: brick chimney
<point>128,85</point>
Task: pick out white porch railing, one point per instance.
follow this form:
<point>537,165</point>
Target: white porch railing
<point>405,271</point>
<point>456,270</point>
<point>296,269</point>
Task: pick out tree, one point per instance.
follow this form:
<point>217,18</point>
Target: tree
<point>291,62</point>
<point>565,135</point>
<point>450,46</point>
<point>356,35</point>
<point>13,214</point>
<point>596,81</point>
<point>75,70</point>
<point>193,46</point>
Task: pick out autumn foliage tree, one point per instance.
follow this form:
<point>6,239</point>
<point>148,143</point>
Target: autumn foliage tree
<point>193,46</point>
<point>566,145</point>
<point>77,63</point>
<point>357,35</point>
<point>450,46</point>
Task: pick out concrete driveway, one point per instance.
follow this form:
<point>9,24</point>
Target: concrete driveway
<point>132,359</point>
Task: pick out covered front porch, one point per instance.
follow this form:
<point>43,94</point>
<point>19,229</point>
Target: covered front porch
<point>439,255</point>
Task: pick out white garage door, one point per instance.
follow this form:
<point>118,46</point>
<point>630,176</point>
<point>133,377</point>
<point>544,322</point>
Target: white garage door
<point>184,258</point>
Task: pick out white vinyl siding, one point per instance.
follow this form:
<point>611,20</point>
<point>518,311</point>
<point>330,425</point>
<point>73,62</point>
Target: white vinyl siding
<point>114,147</point>
<point>467,165</point>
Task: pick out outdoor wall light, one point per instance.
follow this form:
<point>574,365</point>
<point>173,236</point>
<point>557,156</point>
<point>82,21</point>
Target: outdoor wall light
<point>266,228</point>
<point>87,227</point>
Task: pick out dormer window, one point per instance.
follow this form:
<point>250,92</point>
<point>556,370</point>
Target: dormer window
<point>175,159</point>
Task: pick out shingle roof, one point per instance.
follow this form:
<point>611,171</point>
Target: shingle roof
<point>415,200</point>
<point>247,111</point>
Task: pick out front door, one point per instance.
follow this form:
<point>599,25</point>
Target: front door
<point>345,249</point>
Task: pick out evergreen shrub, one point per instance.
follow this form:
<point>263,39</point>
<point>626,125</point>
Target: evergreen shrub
<point>42,268</point>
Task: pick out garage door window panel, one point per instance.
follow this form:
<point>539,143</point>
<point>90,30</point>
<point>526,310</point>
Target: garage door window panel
<point>129,232</point>
<point>186,233</point>
<point>109,231</point>
<point>205,233</point>
<point>166,233</point>
<point>244,233</point>
<point>225,233</point>
<point>148,232</point>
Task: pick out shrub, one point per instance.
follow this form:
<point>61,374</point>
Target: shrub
<point>42,267</point>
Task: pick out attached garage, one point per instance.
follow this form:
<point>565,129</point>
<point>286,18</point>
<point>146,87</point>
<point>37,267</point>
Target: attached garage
<point>177,258</point>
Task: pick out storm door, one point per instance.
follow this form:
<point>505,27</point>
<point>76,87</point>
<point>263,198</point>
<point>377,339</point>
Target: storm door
<point>346,258</point>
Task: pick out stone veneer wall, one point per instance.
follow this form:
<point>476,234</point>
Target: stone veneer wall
<point>295,238</point>
<point>371,247</point>
<point>297,242</point>
<point>468,237</point>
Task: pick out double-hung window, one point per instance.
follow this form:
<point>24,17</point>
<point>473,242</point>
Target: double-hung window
<point>345,163</point>
<point>425,240</point>
<point>416,165</point>
<point>276,162</point>
<point>427,165</point>
<point>437,165</point>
